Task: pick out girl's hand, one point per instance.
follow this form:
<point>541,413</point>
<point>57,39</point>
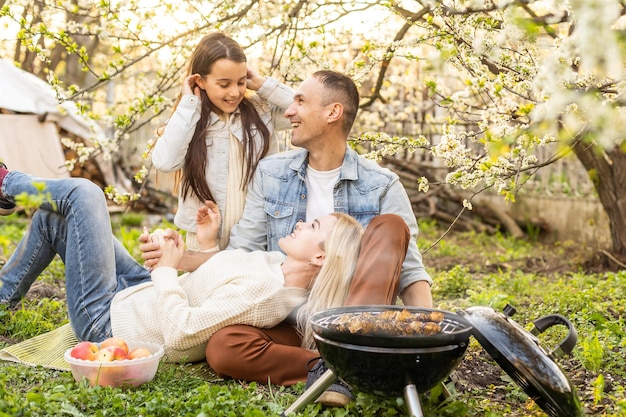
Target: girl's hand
<point>254,80</point>
<point>208,220</point>
<point>190,85</point>
<point>172,249</point>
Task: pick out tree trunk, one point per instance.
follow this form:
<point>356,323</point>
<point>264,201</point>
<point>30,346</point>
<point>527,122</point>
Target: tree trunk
<point>607,171</point>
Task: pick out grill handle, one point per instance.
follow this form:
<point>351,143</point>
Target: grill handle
<point>545,322</point>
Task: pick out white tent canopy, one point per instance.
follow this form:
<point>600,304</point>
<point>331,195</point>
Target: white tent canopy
<point>29,135</point>
<point>22,92</point>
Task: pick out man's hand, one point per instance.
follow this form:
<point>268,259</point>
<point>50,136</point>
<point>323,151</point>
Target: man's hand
<point>208,220</point>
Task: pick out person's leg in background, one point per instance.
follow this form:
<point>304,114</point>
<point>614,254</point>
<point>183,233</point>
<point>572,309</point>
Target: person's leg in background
<point>377,274</point>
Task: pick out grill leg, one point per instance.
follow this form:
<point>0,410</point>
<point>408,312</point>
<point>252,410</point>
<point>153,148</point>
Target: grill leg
<point>413,401</point>
<point>312,393</point>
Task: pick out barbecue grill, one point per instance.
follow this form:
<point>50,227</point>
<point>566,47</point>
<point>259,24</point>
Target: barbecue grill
<point>406,365</point>
<point>386,364</point>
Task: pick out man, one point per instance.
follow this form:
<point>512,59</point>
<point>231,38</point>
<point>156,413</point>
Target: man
<point>323,176</point>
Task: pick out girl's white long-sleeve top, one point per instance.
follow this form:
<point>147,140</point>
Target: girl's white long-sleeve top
<point>182,312</point>
<point>168,154</point>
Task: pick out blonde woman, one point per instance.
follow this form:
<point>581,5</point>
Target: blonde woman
<point>237,287</point>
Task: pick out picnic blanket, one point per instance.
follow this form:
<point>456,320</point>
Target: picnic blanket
<point>45,350</point>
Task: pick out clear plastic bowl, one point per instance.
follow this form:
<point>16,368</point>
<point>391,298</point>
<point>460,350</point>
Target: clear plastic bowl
<point>118,373</point>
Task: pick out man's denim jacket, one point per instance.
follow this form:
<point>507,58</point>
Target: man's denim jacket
<point>277,200</point>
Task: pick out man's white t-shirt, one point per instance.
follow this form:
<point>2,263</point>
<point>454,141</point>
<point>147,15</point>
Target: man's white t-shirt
<point>320,186</point>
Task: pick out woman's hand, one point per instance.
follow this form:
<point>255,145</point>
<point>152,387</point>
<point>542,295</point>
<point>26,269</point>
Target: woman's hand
<point>190,85</point>
<point>172,249</point>
<point>151,249</point>
<point>208,220</point>
<point>254,80</point>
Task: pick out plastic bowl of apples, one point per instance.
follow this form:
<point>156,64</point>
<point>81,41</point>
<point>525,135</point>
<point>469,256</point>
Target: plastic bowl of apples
<point>114,362</point>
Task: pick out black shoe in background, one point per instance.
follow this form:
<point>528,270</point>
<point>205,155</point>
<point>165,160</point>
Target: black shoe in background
<point>6,206</point>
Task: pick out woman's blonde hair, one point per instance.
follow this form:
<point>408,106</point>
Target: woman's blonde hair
<point>330,287</point>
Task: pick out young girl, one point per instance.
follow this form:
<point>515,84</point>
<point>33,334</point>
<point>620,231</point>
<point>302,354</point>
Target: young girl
<point>217,133</point>
<point>109,293</point>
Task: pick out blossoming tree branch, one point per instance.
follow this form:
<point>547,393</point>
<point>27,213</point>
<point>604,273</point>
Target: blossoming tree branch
<point>480,86</point>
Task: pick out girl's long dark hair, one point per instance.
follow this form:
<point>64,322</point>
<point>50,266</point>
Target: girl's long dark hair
<point>212,48</point>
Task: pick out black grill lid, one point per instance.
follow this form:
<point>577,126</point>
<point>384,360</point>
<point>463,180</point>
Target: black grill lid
<point>519,353</point>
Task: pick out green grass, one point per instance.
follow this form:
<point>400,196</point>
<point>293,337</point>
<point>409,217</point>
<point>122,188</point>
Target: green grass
<point>469,269</point>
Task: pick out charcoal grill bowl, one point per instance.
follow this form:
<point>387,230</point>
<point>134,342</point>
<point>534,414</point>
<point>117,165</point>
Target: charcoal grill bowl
<point>387,371</point>
<point>385,364</point>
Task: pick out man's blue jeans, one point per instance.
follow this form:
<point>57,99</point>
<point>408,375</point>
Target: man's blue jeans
<point>74,224</point>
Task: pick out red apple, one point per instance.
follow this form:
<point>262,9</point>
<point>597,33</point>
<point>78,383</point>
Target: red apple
<point>111,353</point>
<point>139,352</point>
<point>119,354</point>
<point>115,341</point>
<point>84,350</point>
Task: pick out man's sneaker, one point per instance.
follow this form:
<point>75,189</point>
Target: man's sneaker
<point>6,206</point>
<point>337,395</point>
